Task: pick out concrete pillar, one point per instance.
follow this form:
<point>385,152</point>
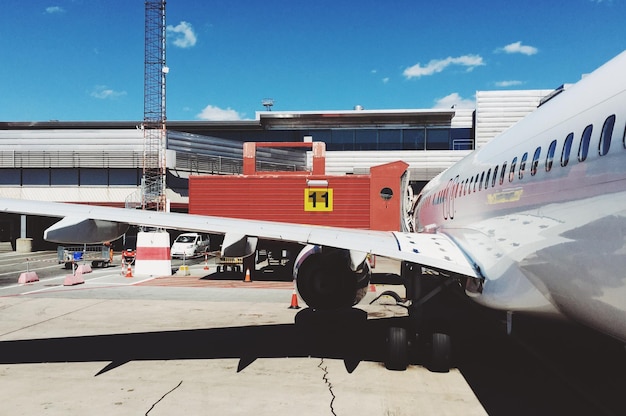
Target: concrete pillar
<point>23,226</point>
<point>24,245</point>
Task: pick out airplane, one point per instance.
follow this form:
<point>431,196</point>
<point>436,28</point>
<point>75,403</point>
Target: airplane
<point>532,222</point>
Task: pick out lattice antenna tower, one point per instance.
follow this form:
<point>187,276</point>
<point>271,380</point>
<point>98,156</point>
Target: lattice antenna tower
<point>154,130</point>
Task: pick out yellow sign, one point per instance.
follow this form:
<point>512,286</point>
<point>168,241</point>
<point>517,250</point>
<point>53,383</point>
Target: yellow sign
<point>508,195</point>
<point>318,199</point>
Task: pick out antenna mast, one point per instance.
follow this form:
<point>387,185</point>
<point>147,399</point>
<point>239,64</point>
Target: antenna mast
<point>268,103</point>
<point>154,131</point>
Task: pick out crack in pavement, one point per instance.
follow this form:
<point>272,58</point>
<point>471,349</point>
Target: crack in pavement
<point>163,397</point>
<point>329,384</point>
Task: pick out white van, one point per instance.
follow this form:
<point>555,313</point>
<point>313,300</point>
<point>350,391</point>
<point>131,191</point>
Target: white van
<point>190,245</point>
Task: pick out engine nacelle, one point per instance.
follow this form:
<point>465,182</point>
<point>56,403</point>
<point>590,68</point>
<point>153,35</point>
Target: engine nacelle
<point>331,278</point>
<point>72,230</point>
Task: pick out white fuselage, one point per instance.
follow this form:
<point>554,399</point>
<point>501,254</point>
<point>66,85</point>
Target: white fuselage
<point>547,225</point>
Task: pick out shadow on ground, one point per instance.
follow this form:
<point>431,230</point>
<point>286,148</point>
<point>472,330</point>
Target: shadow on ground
<point>546,369</point>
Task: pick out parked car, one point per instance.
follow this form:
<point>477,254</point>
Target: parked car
<point>190,245</point>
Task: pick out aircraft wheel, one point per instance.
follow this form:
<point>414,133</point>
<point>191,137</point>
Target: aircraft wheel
<point>440,361</point>
<point>397,356</point>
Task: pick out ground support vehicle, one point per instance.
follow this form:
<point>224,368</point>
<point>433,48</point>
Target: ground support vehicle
<point>223,264</point>
<point>189,245</point>
<point>100,255</point>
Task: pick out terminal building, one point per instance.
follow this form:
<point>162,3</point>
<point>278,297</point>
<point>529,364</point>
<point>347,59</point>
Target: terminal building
<point>101,162</point>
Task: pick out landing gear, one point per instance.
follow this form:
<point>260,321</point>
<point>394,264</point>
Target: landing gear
<point>419,337</point>
<point>397,351</point>
<point>436,353</point>
<point>440,358</point>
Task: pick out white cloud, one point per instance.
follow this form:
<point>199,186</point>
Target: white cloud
<point>454,100</point>
<point>386,80</point>
<point>510,83</point>
<point>102,92</point>
<point>517,47</point>
<point>54,9</point>
<point>212,113</point>
<point>183,34</point>
<point>438,65</point>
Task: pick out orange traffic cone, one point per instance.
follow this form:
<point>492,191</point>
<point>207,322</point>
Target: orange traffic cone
<point>129,271</point>
<point>206,264</point>
<point>294,300</point>
<point>247,279</point>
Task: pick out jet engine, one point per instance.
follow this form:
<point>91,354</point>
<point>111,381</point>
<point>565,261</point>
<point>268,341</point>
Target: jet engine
<point>331,278</point>
<point>71,230</point>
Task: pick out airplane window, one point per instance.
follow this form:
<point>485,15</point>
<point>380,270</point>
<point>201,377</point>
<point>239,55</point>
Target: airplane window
<point>533,166</point>
<point>550,156</point>
<point>605,136</point>
<point>567,148</point>
<point>487,179</point>
<point>482,178</point>
<point>502,173</point>
<point>495,175</point>
<point>522,165</point>
<point>583,150</point>
<point>512,171</point>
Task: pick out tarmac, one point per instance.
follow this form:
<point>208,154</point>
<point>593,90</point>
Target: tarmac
<point>197,345</point>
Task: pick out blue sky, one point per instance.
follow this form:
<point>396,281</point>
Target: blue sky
<point>83,59</point>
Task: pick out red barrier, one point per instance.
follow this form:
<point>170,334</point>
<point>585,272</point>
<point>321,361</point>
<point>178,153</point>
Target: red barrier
<point>28,277</point>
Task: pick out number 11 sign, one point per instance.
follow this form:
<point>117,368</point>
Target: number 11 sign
<point>318,199</point>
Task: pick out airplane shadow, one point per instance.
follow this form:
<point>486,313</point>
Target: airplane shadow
<point>349,337</point>
<point>506,378</point>
<point>543,368</point>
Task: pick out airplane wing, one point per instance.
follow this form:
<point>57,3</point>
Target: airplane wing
<point>437,251</point>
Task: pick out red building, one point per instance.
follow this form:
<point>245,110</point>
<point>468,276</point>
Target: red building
<point>371,201</point>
